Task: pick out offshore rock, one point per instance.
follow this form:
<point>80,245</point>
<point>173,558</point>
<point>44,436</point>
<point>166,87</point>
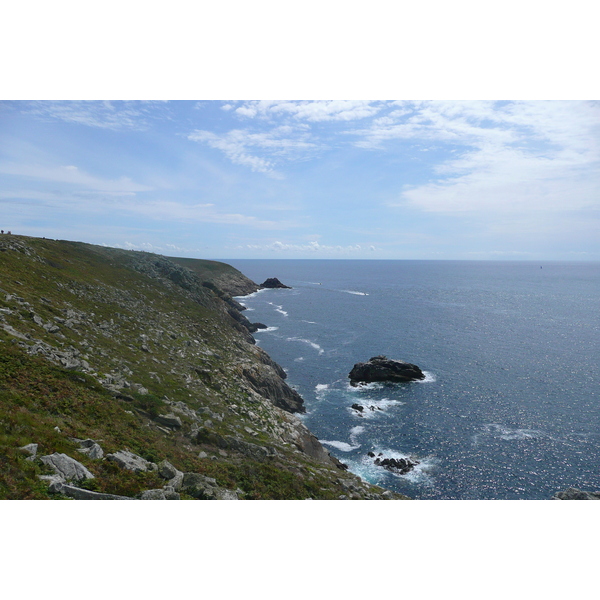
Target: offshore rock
<point>381,368</point>
<point>397,465</point>
<point>274,283</point>
<point>575,494</point>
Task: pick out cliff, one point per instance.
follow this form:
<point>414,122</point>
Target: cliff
<point>132,375</point>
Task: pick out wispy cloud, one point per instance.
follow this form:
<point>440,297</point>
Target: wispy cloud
<point>242,146</point>
<point>117,115</point>
<point>316,110</point>
<point>198,213</point>
<point>71,174</point>
<point>312,247</point>
<point>518,155</point>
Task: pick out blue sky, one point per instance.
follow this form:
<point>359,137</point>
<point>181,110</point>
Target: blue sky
<point>307,179</point>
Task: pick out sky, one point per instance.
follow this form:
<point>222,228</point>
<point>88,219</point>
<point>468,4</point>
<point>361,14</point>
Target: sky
<point>307,179</point>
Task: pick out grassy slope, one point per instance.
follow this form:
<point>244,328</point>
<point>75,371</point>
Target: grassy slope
<point>166,344</point>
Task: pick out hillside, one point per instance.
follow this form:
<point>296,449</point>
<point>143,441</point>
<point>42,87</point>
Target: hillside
<point>131,375</point>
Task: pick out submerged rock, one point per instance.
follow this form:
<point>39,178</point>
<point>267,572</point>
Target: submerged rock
<point>381,368</point>
<point>273,282</point>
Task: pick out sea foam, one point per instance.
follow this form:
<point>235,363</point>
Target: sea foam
<point>311,344</point>
<point>343,446</point>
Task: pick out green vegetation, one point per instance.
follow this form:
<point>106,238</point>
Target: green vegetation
<point>133,351</point>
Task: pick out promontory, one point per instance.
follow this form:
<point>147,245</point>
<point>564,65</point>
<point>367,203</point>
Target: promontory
<point>130,375</point>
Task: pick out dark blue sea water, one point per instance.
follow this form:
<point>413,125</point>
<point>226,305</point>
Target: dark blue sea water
<point>510,408</point>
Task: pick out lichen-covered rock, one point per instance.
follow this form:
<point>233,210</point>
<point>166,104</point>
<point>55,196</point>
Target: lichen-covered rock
<point>174,477</point>
<point>172,421</point>
<point>206,488</point>
<point>59,487</point>
<point>91,448</point>
<point>30,449</point>
<point>131,462</point>
<point>66,467</point>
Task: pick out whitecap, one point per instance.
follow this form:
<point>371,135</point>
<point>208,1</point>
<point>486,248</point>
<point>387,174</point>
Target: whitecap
<point>497,431</point>
<point>246,296</point>
<point>355,432</point>
<point>343,446</point>
<point>386,403</point>
<point>320,390</point>
<point>311,344</point>
<point>299,359</point>
<point>311,322</point>
<point>429,378</point>
<point>278,308</point>
<point>363,387</point>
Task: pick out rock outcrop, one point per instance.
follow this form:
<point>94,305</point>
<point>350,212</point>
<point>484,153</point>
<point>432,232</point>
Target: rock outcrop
<point>383,369</point>
<point>576,494</point>
<point>274,283</point>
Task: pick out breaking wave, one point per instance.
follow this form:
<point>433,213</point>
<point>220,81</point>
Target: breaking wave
<point>343,446</point>
<point>311,344</point>
<point>278,308</point>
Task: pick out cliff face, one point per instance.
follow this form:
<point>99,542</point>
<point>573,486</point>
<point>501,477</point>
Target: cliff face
<point>128,374</point>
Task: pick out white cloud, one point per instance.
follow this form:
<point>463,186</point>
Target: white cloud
<point>523,156</point>
<point>242,146</point>
<point>105,115</point>
<point>314,110</point>
<point>167,210</point>
<point>312,247</point>
<point>70,174</point>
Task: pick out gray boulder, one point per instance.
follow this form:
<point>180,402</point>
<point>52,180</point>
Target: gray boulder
<point>59,487</point>
<point>174,477</point>
<point>65,467</point>
<point>91,448</point>
<point>170,420</point>
<point>30,449</point>
<point>153,495</point>
<point>206,488</point>
<point>382,369</point>
<point>131,462</point>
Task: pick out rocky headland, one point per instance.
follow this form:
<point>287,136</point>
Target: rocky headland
<point>130,375</point>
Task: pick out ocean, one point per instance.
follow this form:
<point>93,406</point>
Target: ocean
<point>510,406</point>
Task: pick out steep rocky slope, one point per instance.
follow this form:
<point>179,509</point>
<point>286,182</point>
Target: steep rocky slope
<point>131,375</point>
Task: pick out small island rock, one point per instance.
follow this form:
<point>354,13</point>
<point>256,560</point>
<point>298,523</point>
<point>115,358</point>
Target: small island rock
<point>273,282</point>
<point>381,368</point>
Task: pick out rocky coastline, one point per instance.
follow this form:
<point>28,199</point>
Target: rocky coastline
<point>133,375</point>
